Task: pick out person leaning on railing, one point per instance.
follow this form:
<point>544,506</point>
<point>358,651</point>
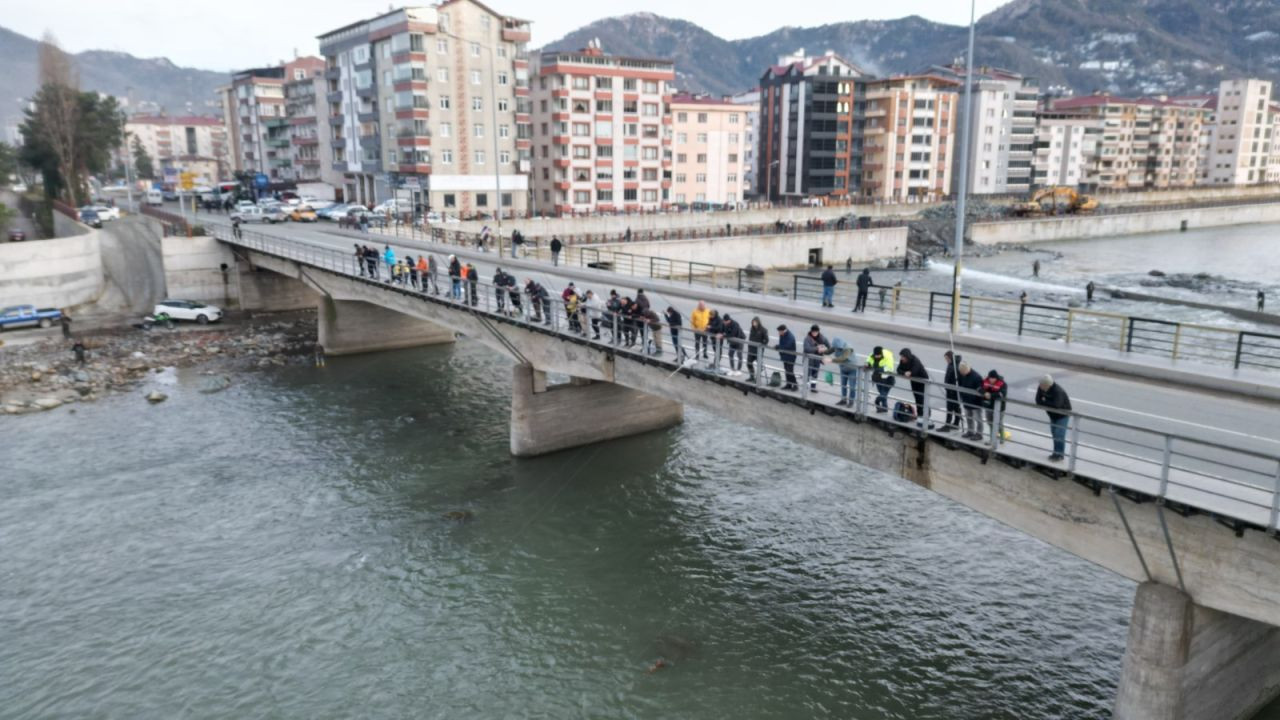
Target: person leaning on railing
<point>1053,398</point>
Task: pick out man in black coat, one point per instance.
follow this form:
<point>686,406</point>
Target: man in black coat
<point>556,247</point>
<point>910,367</point>
<point>864,285</point>
<point>970,383</point>
<point>829,287</point>
<point>1053,398</point>
<point>953,398</point>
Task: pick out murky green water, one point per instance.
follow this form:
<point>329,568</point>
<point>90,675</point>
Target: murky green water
<point>280,550</point>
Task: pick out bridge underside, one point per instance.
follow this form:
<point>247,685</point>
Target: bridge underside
<point>1184,660</point>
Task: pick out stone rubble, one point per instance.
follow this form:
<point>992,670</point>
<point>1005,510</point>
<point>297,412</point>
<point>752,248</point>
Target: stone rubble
<point>45,375</point>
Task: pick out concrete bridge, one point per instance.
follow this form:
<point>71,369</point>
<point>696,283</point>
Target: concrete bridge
<point>1188,513</point>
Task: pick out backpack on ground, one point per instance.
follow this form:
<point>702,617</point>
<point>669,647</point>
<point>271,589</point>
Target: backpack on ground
<point>775,379</point>
<point>903,412</point>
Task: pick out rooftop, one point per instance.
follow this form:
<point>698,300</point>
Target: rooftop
<point>174,120</point>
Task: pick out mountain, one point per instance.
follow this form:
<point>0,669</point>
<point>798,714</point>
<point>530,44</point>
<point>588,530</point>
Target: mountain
<point>145,82</point>
<point>1121,46</point>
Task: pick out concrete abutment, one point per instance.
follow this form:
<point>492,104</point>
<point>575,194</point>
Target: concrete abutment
<point>1186,662</point>
<point>546,418</point>
<point>347,327</point>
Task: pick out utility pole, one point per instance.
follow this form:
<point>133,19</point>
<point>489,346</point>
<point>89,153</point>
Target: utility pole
<point>493,114</point>
<point>963,188</point>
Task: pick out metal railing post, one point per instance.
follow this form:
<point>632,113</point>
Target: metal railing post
<point>1239,348</point>
<point>1128,345</point>
<point>1177,339</point>
<point>1022,316</point>
<point>1164,466</point>
<point>972,302</point>
<point>1075,442</point>
<point>1275,502</point>
<point>795,287</point>
<point>931,296</point>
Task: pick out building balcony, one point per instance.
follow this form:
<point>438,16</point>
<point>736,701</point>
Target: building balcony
<point>560,162</point>
<point>415,168</point>
<point>305,140</point>
<point>335,119</point>
<point>413,141</point>
<point>517,34</point>
<point>332,73</point>
<point>561,184</point>
<point>338,143</point>
<point>370,141</point>
<point>334,97</point>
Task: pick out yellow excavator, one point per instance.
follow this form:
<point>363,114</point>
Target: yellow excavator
<point>1059,200</point>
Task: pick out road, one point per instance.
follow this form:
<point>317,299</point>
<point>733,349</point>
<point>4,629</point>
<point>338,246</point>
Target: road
<point>1197,414</point>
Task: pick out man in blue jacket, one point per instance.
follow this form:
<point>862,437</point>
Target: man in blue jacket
<point>829,287</point>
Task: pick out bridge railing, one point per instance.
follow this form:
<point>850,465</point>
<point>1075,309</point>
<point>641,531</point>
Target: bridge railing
<point>1194,342</point>
<point>1236,484</point>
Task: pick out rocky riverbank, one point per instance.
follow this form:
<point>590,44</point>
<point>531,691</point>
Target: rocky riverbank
<point>46,374</point>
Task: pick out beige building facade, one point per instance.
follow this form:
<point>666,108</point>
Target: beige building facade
<point>910,136</point>
<point>711,138</point>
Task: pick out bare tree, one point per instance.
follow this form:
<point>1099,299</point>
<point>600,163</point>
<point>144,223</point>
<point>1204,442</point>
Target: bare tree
<point>57,111</point>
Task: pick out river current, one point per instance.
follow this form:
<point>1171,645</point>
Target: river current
<point>284,549</point>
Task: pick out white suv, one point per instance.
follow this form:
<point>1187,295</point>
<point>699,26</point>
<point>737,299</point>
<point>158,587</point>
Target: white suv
<point>189,310</point>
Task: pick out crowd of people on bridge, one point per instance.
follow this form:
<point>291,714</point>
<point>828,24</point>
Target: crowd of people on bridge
<point>720,344</point>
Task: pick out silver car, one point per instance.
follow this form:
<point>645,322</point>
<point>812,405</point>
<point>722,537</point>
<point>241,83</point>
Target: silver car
<point>189,310</point>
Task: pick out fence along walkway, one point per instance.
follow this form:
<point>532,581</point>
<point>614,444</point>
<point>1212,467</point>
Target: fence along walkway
<point>1192,342</point>
<point>1239,486</point>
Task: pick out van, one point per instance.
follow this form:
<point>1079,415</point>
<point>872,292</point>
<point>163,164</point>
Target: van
<point>155,197</point>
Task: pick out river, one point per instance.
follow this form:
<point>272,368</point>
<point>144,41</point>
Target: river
<point>281,549</point>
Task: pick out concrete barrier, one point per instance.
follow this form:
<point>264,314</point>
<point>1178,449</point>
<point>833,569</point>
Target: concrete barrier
<point>1186,195</point>
<point>193,270</point>
<point>772,251</point>
<point>60,272</point>
<point>1090,226</point>
<point>658,222</point>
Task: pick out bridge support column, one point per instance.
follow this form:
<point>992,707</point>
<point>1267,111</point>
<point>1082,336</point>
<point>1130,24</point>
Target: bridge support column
<point>1186,662</point>
<point>348,327</point>
<point>546,418</point>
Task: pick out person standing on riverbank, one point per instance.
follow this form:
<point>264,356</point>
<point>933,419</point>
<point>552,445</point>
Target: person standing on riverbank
<point>1035,268</point>
<point>829,287</point>
<point>864,286</point>
<point>1262,300</point>
<point>556,247</point>
<point>1088,292</point>
<point>1051,397</point>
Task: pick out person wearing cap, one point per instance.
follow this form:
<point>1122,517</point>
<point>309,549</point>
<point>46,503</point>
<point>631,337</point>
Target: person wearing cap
<point>881,363</point>
<point>1051,397</point>
<point>815,346</point>
<point>910,367</point>
<point>970,382</point>
<point>786,348</point>
<point>734,334</point>
<point>843,357</point>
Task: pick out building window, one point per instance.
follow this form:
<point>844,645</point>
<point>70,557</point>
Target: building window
<point>479,157</point>
<point>733,178</point>
<point>446,157</point>
<point>477,130</point>
<point>502,105</point>
<point>702,118</point>
<point>502,78</point>
<point>446,129</point>
<point>442,47</point>
<point>682,158</point>
<point>702,158</point>
<point>442,74</point>
<point>629,84</point>
<point>700,177</point>
<point>582,151</point>
<point>651,196</point>
<point>475,49</point>
<point>650,153</point>
<point>581,197</point>
<point>582,129</point>
<point>733,118</point>
<point>649,174</point>
<point>649,109</point>
<point>475,77</point>
<point>444,102</point>
<point>629,193</point>
<point>604,83</point>
<point>477,103</point>
<point>450,200</point>
<point>604,106</point>
<point>702,137</point>
<point>504,157</point>
<point>581,82</point>
<point>504,131</point>
<point>482,199</point>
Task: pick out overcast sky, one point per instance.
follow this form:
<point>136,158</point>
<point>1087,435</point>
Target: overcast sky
<point>230,34</point>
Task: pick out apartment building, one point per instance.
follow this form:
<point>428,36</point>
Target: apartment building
<point>431,104</point>
<point>750,103</point>
<point>1145,142</point>
<point>192,143</point>
<point>910,135</point>
<point>602,132</point>
<point>710,148</point>
<point>1002,135</point>
<point>254,112</point>
<point>810,139</point>
<point>308,132</point>
<point>1240,149</point>
<point>1066,149</point>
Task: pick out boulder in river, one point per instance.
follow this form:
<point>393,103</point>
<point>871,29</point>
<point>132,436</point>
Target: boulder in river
<point>155,396</point>
<point>46,403</point>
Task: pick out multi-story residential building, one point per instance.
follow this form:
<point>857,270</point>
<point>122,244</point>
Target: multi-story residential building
<point>1145,142</point>
<point>602,132</point>
<point>431,103</point>
<point>810,140</point>
<point>309,130</point>
<point>1003,132</point>
<point>1066,149</point>
<point>255,115</point>
<point>750,102</point>
<point>910,137</point>
<point>193,144</point>
<point>710,148</point>
<point>1242,137</point>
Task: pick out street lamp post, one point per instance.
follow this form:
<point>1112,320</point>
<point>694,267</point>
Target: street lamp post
<point>963,187</point>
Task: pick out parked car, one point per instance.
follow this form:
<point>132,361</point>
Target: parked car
<point>245,204</point>
<point>90,217</point>
<point>106,212</point>
<point>16,235</point>
<point>399,205</point>
<point>21,315</point>
<point>253,214</point>
<point>155,197</point>
<point>19,188</point>
<point>170,194</point>
<point>333,212</point>
<point>188,310</point>
<point>302,213</point>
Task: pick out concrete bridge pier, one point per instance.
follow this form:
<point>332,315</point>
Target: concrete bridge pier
<point>347,327</point>
<point>546,418</point>
<point>1186,662</point>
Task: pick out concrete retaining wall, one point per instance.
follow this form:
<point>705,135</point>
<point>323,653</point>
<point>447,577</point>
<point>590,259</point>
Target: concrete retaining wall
<point>1089,226</point>
<point>617,224</point>
<point>192,270</point>
<point>61,272</point>
<point>1182,195</point>
<point>773,251</point>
